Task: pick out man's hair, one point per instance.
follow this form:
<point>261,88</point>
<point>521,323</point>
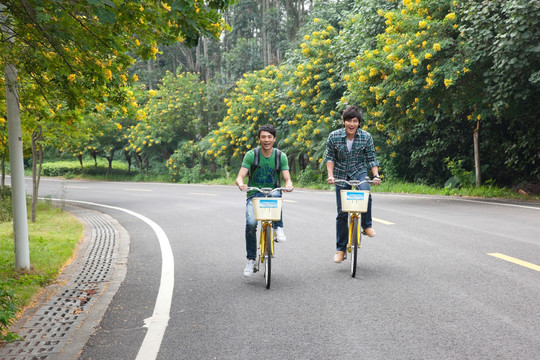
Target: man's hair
<point>352,112</point>
<point>269,128</point>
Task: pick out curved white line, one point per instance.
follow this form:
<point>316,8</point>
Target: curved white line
<point>157,324</point>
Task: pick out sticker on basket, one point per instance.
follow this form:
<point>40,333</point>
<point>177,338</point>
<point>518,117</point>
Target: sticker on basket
<point>268,204</point>
<point>355,196</point>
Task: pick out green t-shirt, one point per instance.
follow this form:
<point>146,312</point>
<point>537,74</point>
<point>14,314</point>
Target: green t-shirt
<point>265,175</point>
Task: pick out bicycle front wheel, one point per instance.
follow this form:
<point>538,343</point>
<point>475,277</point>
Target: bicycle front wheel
<point>268,238</point>
<point>355,243</point>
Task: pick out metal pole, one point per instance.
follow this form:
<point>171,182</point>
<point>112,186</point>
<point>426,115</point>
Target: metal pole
<point>20,219</point>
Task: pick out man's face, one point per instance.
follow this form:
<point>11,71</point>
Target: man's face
<point>267,140</point>
<point>351,125</point>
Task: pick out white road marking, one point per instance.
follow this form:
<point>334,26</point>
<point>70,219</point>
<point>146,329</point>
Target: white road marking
<point>157,324</point>
<point>383,221</point>
<point>203,194</point>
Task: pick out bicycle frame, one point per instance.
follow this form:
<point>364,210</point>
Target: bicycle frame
<point>270,211</point>
<point>356,204</point>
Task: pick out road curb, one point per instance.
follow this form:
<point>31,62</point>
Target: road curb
<point>67,313</point>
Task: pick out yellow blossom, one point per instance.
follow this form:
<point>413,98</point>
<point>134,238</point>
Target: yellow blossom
<point>436,47</point>
<point>450,16</point>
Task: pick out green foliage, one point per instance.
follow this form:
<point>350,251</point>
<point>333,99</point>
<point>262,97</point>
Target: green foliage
<point>73,168</point>
<point>311,177</point>
<point>501,37</point>
<point>245,57</point>
<point>6,211</point>
<point>8,308</point>
<point>460,177</point>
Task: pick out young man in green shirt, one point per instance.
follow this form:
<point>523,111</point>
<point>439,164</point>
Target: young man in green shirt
<point>349,154</point>
<point>265,175</point>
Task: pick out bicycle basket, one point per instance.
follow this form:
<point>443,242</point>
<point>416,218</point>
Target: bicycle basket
<point>354,200</point>
<point>267,208</point>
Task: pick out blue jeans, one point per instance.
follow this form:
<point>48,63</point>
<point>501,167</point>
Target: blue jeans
<point>342,226</point>
<point>251,226</point>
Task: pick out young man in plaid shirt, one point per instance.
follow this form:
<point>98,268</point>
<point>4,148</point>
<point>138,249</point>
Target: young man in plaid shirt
<point>349,154</point>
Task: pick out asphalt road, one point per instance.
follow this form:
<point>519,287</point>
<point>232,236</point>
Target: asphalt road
<point>445,278</point>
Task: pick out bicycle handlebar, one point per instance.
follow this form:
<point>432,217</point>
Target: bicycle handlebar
<point>268,191</point>
<point>354,182</point>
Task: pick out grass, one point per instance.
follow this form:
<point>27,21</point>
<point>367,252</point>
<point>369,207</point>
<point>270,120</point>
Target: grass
<point>486,191</point>
<point>52,240</point>
<point>315,180</point>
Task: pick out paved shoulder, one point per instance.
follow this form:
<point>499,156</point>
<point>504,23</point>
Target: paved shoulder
<point>61,322</point>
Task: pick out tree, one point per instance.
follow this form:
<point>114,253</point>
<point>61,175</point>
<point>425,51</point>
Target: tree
<point>82,50</point>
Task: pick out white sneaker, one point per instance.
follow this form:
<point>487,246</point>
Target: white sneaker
<point>280,235</point>
<point>248,271</point>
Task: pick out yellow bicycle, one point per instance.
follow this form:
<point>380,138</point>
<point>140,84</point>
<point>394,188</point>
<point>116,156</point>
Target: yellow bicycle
<point>355,202</point>
<point>266,209</point>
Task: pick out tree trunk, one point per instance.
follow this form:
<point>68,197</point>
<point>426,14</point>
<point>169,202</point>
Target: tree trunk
<point>127,155</point>
<point>150,72</point>
<point>477,167</point>
<point>79,157</point>
<point>264,39</point>
<point>191,66</point>
<point>206,60</point>
<point>198,58</point>
<point>37,161</point>
<point>3,169</point>
<point>110,160</point>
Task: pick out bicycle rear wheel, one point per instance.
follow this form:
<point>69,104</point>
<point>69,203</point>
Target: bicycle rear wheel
<point>268,256</point>
<point>355,242</point>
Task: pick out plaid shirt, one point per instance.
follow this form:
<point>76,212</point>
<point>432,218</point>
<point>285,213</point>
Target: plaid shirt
<point>349,165</point>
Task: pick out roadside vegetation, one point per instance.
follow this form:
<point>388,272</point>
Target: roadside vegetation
<point>52,240</point>
<point>461,183</point>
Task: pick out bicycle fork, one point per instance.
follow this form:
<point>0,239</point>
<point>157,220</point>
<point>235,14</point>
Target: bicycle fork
<point>265,228</point>
<point>353,219</point>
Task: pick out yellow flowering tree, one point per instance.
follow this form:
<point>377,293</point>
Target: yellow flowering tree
<point>313,88</point>
<point>413,84</point>
<point>255,101</point>
<point>178,112</point>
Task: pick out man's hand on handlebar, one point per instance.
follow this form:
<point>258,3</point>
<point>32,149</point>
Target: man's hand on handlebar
<point>242,187</point>
<point>331,180</point>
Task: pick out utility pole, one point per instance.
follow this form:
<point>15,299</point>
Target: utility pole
<point>20,219</point>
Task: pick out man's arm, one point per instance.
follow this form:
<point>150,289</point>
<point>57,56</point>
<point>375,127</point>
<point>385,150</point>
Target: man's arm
<point>376,178</point>
<point>330,169</point>
<point>240,178</point>
<point>288,181</point>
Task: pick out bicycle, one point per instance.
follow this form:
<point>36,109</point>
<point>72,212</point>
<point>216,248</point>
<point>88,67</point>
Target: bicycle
<point>266,209</point>
<point>355,202</point>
